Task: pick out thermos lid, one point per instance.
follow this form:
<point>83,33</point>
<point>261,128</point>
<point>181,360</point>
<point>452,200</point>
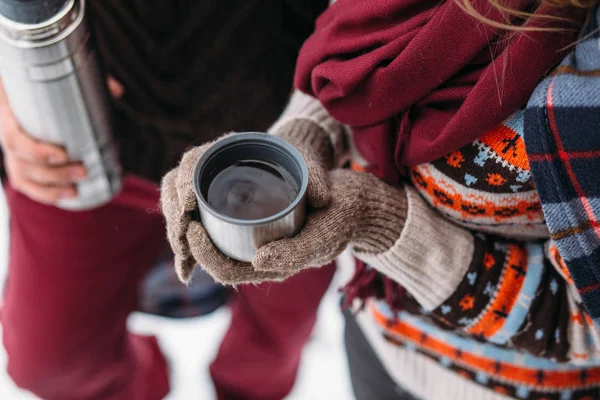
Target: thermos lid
<point>31,11</point>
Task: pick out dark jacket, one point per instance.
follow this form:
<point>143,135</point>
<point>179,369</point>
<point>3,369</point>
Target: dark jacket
<point>195,69</point>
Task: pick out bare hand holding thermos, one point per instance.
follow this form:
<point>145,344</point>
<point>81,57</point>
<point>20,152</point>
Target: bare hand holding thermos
<point>41,171</point>
<point>57,125</point>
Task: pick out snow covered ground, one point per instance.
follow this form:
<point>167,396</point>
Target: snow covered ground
<point>191,345</point>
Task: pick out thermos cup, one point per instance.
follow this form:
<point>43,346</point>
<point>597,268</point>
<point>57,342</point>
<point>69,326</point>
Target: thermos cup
<point>240,237</point>
<point>57,89</point>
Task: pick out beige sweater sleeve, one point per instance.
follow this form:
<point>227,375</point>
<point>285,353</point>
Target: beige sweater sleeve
<point>431,256</point>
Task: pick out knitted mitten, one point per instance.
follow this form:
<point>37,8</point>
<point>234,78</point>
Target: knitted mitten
<point>190,242</point>
<point>364,213</point>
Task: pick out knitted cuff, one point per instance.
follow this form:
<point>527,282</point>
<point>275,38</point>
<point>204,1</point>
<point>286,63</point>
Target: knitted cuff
<point>307,108</point>
<point>382,212</point>
<point>430,258</point>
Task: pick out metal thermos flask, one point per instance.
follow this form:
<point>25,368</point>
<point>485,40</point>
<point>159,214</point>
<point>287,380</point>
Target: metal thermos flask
<point>56,87</point>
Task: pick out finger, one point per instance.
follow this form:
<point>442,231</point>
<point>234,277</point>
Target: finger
<point>185,173</point>
<point>43,194</point>
<point>184,266</point>
<point>115,88</point>
<point>185,177</point>
<point>26,148</point>
<point>222,268</point>
<point>169,201</point>
<point>256,277</point>
<point>283,255</point>
<point>248,275</point>
<point>318,193</point>
<point>52,176</point>
<point>176,218</point>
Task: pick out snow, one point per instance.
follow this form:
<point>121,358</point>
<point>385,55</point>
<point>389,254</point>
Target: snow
<point>191,344</point>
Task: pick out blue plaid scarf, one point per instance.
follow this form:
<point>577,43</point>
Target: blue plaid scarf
<point>562,136</point>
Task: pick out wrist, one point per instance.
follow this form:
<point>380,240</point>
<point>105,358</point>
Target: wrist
<point>381,211</point>
<point>430,276</point>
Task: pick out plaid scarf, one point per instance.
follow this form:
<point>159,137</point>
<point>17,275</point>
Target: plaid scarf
<point>562,136</point>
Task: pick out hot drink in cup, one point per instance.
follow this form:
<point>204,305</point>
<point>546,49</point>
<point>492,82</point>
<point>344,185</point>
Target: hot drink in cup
<point>251,189</point>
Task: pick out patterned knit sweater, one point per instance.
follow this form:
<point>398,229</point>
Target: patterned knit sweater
<point>491,311</point>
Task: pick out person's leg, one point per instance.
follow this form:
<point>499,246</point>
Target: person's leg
<point>271,323</point>
<point>73,280</point>
<point>370,380</point>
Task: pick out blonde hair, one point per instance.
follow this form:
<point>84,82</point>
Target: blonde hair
<point>521,17</point>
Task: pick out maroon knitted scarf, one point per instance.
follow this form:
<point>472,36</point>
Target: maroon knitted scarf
<point>417,79</point>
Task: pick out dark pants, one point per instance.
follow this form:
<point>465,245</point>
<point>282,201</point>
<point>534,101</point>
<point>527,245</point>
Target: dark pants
<point>370,380</point>
<point>74,280</point>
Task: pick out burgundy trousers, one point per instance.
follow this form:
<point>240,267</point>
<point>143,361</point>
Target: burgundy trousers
<point>73,281</point>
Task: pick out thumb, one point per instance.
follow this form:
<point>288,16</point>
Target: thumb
<point>317,193</point>
<point>115,87</point>
<point>320,241</point>
<point>283,255</point>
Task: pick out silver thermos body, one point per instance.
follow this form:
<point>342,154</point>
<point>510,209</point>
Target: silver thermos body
<point>56,87</point>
